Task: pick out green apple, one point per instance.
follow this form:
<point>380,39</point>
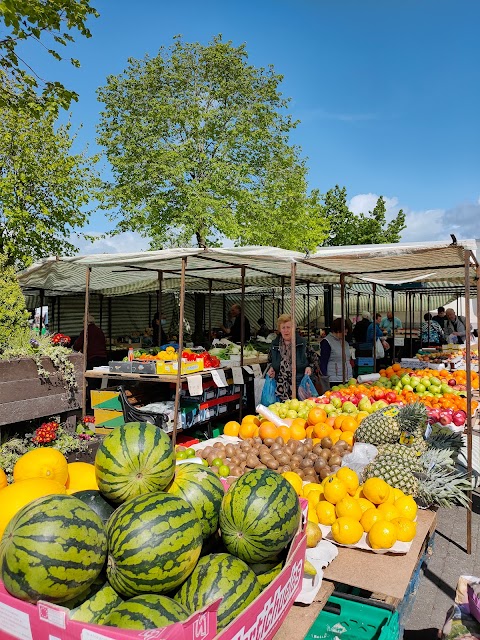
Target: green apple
<point>364,404</point>
<point>414,381</point>
<point>294,404</point>
<point>421,388</point>
<point>282,412</point>
<point>328,408</point>
<point>435,381</point>
<point>336,388</point>
<point>394,380</point>
<point>388,384</point>
<point>408,387</point>
<point>425,381</point>
<point>292,414</point>
<point>445,388</point>
<point>337,403</point>
<point>405,379</point>
<point>352,382</point>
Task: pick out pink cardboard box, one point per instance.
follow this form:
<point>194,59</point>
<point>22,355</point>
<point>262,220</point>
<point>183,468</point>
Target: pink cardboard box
<point>260,621</point>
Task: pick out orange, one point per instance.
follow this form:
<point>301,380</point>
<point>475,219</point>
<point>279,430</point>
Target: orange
<point>348,437</point>
<point>284,432</point>
<point>349,423</point>
<point>247,430</point>
<point>231,428</point>
<point>309,432</point>
<point>267,430</point>
<point>339,419</point>
<point>330,421</point>
<point>297,432</point>
<point>299,422</point>
<point>396,367</point>
<point>249,419</point>
<point>256,432</point>
<point>322,430</point>
<point>316,415</point>
<point>336,435</point>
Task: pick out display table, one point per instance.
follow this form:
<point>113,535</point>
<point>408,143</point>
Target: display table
<point>301,617</point>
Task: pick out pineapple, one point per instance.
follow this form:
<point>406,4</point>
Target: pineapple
<point>413,420</point>
<point>380,427</point>
<point>430,482</point>
<point>442,438</point>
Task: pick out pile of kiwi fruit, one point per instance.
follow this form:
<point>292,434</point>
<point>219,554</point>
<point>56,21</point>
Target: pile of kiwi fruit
<point>312,462</point>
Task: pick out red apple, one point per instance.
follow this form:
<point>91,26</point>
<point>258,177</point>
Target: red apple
<point>458,418</point>
<point>390,397</point>
<point>452,382</point>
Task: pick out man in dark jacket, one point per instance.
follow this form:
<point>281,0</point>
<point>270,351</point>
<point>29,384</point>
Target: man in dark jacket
<point>360,329</point>
<point>236,329</point>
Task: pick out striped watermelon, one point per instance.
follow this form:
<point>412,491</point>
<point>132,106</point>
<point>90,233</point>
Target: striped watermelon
<point>95,608</point>
<point>220,575</point>
<point>97,502</point>
<point>53,549</point>
<point>150,611</point>
<point>259,516</point>
<point>136,458</point>
<point>266,572</point>
<point>202,489</point>
<point>154,542</point>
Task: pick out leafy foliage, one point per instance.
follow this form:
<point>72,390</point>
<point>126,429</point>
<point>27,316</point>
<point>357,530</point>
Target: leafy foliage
<point>48,23</point>
<point>198,143</point>
<point>44,188</point>
<point>13,313</point>
<point>348,228</point>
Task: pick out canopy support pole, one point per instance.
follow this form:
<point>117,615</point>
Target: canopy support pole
<point>58,314</point>
<point>393,326</point>
<point>358,307</point>
<point>42,300</point>
<point>159,305</point>
<point>209,311</point>
<point>242,331</point>
<point>342,317</point>
<point>283,294</point>
<point>374,320</point>
<point>308,312</point>
<point>101,310</point>
<point>294,329</point>
<point>180,349</point>
<point>468,368</point>
<point>421,318</point>
<point>85,338</point>
<point>109,308</point>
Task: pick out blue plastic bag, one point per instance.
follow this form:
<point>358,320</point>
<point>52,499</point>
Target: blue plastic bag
<point>269,395</point>
<point>307,389</point>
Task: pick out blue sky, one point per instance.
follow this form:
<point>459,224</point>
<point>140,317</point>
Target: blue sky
<point>388,92</point>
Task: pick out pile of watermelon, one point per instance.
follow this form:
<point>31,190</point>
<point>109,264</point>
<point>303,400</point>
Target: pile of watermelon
<point>156,542</point>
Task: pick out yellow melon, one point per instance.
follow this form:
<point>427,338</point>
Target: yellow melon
<point>81,477</point>
<point>43,462</point>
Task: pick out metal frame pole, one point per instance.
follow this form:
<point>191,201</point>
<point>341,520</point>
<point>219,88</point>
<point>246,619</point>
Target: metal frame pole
<point>180,349</point>
<point>242,317</point>
<point>421,318</point>
<point>58,313</point>
<point>85,337</point>
<point>209,310</point>
<point>283,294</point>
<point>42,300</point>
<point>374,289</point>
<point>358,306</point>
<point>393,326</point>
<point>468,368</point>
<point>342,317</point>
<point>294,329</point>
<point>308,312</point>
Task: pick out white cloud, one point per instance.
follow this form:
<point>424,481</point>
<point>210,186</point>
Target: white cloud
<point>428,224</point>
<point>127,242</point>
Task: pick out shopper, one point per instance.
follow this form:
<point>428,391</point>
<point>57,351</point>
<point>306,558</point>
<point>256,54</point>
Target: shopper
<point>235,331</point>
<point>280,358</point>
<point>360,329</point>
<point>96,347</point>
<point>263,330</point>
<point>331,354</point>
<point>455,327</point>
<point>431,332</point>
<point>389,323</point>
<point>441,317</point>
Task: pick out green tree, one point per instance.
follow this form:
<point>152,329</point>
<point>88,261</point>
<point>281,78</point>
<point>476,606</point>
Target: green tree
<point>198,143</point>
<point>14,327</point>
<point>348,228</point>
<point>47,23</point>
<point>45,189</point>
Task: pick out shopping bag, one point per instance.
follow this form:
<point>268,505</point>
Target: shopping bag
<point>380,350</point>
<point>322,384</point>
<point>306,389</point>
<point>269,392</point>
<point>258,384</point>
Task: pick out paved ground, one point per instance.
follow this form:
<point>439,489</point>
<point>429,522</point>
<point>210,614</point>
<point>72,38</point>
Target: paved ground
<point>436,590</point>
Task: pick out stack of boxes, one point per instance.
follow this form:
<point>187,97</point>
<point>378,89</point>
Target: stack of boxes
<point>106,409</point>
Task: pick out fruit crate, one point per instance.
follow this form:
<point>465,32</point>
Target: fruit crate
<point>364,369</point>
<point>353,618</point>
<point>365,362</point>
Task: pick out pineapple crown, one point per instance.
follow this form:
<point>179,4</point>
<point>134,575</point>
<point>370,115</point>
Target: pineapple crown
<point>413,417</point>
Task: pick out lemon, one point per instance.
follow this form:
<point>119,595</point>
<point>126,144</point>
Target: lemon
<point>407,507</point>
<point>314,498</point>
<point>312,514</point>
<point>326,513</point>
<point>376,490</point>
<point>346,530</point>
<point>406,529</point>
<point>397,494</point>
<point>359,492</point>
<point>365,504</point>
<point>295,480</point>
<point>391,496</point>
<point>389,511</point>
<point>334,490</point>
<point>348,507</point>
<point>382,535</point>
<point>350,478</point>
<point>369,518</point>
<point>312,487</point>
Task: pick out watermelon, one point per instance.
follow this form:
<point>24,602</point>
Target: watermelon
<point>96,608</point>
<point>97,502</point>
<point>266,572</point>
<point>150,611</point>
<point>154,542</point>
<point>259,516</point>
<point>53,549</point>
<point>136,458</point>
<point>220,575</point>
<point>202,489</point>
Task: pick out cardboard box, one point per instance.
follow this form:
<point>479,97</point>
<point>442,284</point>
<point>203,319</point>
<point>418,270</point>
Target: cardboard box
<point>105,399</point>
<point>108,418</point>
<point>170,367</point>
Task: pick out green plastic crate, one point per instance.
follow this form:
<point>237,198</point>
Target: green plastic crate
<point>364,369</point>
<point>353,618</point>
